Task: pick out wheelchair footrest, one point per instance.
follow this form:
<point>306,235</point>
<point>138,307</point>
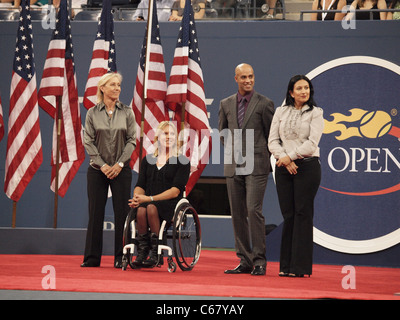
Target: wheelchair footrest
<point>164,247</point>
<point>131,247</point>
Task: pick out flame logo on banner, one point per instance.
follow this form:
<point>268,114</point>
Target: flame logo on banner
<point>366,124</point>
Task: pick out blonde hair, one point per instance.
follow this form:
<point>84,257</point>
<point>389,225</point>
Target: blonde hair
<point>160,128</point>
<point>103,80</point>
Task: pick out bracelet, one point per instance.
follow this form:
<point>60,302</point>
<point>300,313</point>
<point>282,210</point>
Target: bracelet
<point>151,198</point>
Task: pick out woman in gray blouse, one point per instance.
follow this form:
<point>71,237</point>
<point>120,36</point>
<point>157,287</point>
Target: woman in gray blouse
<point>295,133</point>
<point>109,139</point>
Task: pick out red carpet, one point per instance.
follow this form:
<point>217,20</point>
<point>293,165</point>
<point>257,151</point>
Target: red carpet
<point>24,272</point>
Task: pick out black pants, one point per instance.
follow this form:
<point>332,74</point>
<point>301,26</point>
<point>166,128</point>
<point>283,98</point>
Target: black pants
<point>246,195</point>
<point>296,195</point>
<point>97,189</point>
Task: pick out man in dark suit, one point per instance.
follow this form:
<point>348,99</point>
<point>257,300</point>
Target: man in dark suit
<point>244,123</point>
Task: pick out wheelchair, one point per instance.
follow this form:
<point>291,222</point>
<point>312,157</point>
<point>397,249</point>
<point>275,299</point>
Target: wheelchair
<point>184,231</point>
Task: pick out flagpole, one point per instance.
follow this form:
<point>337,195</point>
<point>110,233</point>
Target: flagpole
<point>58,124</point>
<point>183,115</point>
<point>14,214</point>
<point>184,102</point>
<point>141,132</point>
<point>145,76</point>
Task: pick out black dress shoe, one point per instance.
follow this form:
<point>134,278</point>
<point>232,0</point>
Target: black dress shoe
<point>118,264</point>
<point>239,270</point>
<point>89,265</point>
<point>258,271</point>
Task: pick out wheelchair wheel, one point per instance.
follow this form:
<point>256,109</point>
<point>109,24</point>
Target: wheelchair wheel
<point>186,236</point>
<point>128,239</point>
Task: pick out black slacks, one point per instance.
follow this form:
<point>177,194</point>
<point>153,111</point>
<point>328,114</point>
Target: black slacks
<point>97,189</point>
<point>296,195</point>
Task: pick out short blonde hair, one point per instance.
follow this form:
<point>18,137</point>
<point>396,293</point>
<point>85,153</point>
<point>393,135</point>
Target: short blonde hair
<point>103,80</point>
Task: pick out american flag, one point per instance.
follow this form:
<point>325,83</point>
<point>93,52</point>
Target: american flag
<point>58,85</point>
<point>24,142</point>
<point>151,88</point>
<point>103,55</point>
<point>186,87</point>
<point>1,122</point>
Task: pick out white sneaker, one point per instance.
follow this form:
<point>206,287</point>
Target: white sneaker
<point>268,16</point>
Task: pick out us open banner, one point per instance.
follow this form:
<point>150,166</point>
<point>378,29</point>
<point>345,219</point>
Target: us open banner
<point>357,206</point>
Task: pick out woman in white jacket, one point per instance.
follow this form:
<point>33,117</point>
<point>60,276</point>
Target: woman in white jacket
<point>294,136</point>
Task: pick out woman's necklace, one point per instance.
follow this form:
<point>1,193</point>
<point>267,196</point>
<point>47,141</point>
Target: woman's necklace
<point>110,107</point>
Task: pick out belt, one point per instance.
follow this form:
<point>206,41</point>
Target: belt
<point>306,159</point>
<point>94,166</point>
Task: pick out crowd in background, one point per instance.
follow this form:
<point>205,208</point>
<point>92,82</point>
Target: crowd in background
<point>172,10</point>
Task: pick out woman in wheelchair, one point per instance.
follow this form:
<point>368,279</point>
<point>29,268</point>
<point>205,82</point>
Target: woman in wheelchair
<point>161,184</point>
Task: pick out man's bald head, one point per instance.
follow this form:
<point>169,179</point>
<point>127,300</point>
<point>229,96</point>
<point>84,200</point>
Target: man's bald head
<point>244,76</point>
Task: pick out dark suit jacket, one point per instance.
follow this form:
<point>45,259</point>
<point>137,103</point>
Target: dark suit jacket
<point>258,117</point>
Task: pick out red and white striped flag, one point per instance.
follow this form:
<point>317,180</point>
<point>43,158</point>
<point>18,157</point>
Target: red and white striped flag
<point>1,122</point>
<point>151,87</point>
<point>59,80</point>
<point>186,87</point>
<point>103,55</point>
<point>24,142</point>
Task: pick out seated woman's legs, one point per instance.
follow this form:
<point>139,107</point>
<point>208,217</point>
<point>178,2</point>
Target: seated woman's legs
<point>143,246</point>
<point>153,221</point>
<point>141,220</point>
<point>147,218</point>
